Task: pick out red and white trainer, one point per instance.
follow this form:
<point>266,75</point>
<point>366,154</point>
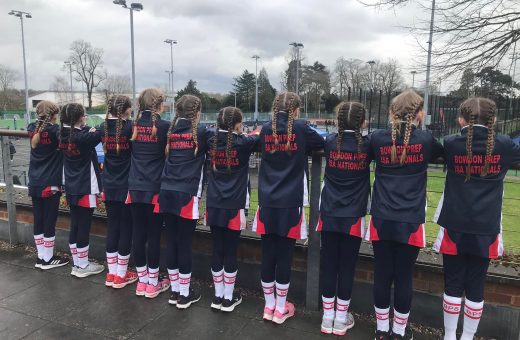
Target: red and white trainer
<point>121,282</point>
<point>140,290</point>
<point>280,318</point>
<point>109,280</point>
<point>268,314</point>
<point>162,285</point>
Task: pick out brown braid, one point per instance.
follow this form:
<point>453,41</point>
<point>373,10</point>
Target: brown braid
<point>220,122</point>
<point>45,110</point>
<point>351,116</point>
<point>481,111</point>
<point>404,107</point>
<point>288,102</point>
<point>186,107</point>
<point>71,114</point>
<point>228,120</point>
<point>110,104</point>
<point>150,99</point>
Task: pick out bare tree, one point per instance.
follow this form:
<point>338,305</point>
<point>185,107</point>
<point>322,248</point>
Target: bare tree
<point>7,78</point>
<point>389,76</point>
<point>116,84</point>
<point>353,73</point>
<point>467,33</point>
<point>87,64</point>
<point>61,87</point>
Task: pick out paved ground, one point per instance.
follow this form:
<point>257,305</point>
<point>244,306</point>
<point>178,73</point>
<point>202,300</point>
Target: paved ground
<point>53,305</point>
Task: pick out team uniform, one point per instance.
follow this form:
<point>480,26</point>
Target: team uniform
<point>144,182</point>
<point>115,190</point>
<point>227,198</point>
<point>45,180</point>
<point>181,189</point>
<point>343,206</point>
<point>82,186</point>
<point>469,215</point>
<point>282,194</point>
<point>397,223</point>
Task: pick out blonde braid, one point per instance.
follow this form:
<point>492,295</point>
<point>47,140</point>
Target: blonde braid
<point>194,125</point>
<point>49,109</point>
<point>469,144</point>
<point>290,122</point>
<point>341,128</point>
<point>407,131</point>
<point>155,108</point>
<point>276,109</point>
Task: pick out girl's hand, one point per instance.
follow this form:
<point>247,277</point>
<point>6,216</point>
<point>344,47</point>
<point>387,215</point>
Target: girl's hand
<point>92,130</point>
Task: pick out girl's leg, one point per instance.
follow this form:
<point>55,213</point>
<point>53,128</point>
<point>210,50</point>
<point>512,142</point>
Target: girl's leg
<point>217,263</point>
<point>405,257</point>
<point>267,275</point>
<point>186,230</point>
<point>125,240</point>
<point>114,215</point>
<point>384,255</point>
<point>50,216</point>
<point>348,254</point>
<point>284,255</point>
<point>474,282</point>
<point>231,238</point>
<point>140,224</point>
<point>83,225</point>
<point>454,274</point>
<point>329,275</point>
<point>172,262</point>
<point>38,214</point>
<point>154,244</point>
<point>73,233</point>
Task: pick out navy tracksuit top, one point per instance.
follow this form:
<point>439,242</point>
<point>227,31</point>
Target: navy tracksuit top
<point>282,174</point>
<point>399,192</point>
<point>46,161</point>
<point>147,161</point>
<point>475,206</point>
<point>80,165</point>
<point>346,186</point>
<point>228,189</point>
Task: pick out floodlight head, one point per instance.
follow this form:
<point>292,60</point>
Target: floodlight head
<point>136,6</point>
<point>170,41</point>
<point>11,13</point>
<point>371,62</point>
<point>413,72</point>
<point>120,2</point>
<point>28,16</point>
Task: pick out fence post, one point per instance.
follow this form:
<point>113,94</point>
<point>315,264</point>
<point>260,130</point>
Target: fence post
<point>9,191</point>
<point>313,247</point>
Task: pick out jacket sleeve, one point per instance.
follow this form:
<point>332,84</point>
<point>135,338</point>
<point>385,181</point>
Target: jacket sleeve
<point>314,140</point>
<point>91,138</point>
<point>515,154</point>
<point>437,150</point>
<point>253,142</point>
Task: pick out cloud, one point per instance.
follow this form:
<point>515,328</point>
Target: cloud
<point>216,37</point>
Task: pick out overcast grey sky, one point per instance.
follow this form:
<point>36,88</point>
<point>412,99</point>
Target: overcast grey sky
<point>216,37</point>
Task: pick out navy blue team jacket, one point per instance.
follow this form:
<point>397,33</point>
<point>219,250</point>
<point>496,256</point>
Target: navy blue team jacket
<point>116,167</point>
<point>475,206</point>
<point>347,177</point>
<point>148,156</point>
<point>228,189</point>
<point>46,161</point>
<point>183,169</point>
<point>281,177</point>
<point>399,192</point>
<point>80,164</point>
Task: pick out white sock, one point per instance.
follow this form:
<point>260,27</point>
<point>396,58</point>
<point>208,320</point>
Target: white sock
<point>218,282</point>
<point>122,265</point>
<point>74,253</point>
<point>268,288</point>
<point>451,306</point>
<point>153,276</point>
<point>112,263</point>
<point>400,322</point>
<point>142,272</point>
<point>472,315</point>
<point>281,296</point>
<point>83,257</point>
<point>184,284</point>
<point>48,248</point>
<point>173,275</point>
<point>38,240</point>
<point>342,309</point>
<point>328,307</point>
<point>229,284</point>
<point>383,319</point>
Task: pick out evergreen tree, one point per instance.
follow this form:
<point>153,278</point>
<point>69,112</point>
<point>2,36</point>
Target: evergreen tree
<point>191,88</point>
<point>266,92</point>
<point>245,89</point>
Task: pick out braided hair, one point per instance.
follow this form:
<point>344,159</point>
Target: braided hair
<point>351,116</point>
<point>45,110</point>
<point>288,102</point>
<point>479,111</point>
<point>227,118</point>
<point>403,109</point>
<point>186,107</point>
<point>71,114</point>
<point>150,99</point>
<point>116,107</point>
